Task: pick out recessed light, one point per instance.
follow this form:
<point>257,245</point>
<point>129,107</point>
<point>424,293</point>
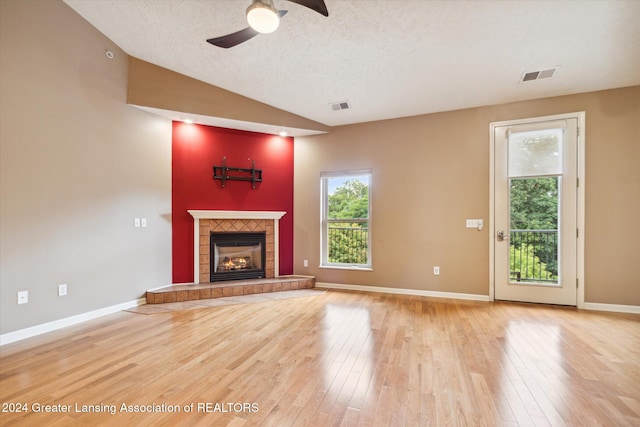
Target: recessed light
<point>282,133</point>
<point>188,121</point>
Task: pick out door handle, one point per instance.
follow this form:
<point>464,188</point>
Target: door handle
<point>501,236</point>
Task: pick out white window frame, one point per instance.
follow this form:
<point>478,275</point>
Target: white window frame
<point>324,220</point>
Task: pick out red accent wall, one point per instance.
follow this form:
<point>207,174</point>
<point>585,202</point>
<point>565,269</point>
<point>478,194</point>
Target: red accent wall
<point>195,150</point>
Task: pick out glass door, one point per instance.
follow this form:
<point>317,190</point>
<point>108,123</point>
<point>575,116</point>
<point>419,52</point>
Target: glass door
<point>535,190</point>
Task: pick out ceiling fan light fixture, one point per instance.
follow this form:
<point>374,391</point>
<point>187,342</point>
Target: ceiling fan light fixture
<point>263,16</point>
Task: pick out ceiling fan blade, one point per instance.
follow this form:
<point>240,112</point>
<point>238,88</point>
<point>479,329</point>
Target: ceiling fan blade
<point>315,5</point>
<point>234,39</point>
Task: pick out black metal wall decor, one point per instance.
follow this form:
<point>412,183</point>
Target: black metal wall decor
<point>225,173</point>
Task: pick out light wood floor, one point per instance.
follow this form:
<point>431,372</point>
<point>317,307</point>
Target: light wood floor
<point>339,358</point>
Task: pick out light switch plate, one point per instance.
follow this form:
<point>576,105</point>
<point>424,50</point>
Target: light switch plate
<point>475,223</point>
<point>23,297</point>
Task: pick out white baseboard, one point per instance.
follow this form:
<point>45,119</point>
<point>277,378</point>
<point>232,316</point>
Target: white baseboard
<point>172,284</point>
<point>617,308</point>
<point>402,291</point>
<point>32,331</point>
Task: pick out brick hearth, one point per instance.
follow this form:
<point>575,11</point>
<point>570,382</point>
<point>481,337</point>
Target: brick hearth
<point>190,292</point>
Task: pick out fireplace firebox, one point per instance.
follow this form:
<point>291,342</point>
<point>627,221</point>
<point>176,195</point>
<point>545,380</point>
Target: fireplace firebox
<point>237,256</point>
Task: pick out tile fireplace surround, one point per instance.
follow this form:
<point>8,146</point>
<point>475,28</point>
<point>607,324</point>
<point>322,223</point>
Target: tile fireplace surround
<point>206,221</point>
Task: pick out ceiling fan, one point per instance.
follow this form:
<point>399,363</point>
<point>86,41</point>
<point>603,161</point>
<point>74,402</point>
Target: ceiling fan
<point>263,18</point>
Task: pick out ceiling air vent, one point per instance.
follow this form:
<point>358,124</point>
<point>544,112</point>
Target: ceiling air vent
<point>538,75</point>
<point>337,106</point>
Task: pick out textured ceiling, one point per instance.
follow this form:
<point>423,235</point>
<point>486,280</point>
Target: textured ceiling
<point>390,58</point>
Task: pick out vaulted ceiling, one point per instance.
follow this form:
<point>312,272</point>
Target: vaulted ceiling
<point>386,58</point>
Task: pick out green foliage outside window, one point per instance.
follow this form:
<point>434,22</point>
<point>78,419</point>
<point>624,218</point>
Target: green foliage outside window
<point>348,240</point>
<point>348,243</point>
<point>534,206</point>
<point>534,203</point>
<point>350,200</point>
<point>525,264</point>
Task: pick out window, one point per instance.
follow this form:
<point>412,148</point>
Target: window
<point>346,214</point>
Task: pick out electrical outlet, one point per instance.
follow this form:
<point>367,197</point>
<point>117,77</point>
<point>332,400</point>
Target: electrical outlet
<point>62,289</point>
<point>305,263</point>
<point>136,222</point>
<point>436,270</point>
<point>23,297</point>
<point>143,222</point>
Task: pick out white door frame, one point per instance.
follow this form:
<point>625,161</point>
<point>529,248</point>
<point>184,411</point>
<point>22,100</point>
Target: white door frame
<point>580,116</point>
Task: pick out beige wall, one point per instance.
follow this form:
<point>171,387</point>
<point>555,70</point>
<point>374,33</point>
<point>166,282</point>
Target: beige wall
<point>153,86</point>
<point>431,172</point>
<point>77,165</point>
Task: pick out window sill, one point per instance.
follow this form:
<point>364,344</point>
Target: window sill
<point>349,267</point>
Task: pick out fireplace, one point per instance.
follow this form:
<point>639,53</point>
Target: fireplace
<point>206,222</point>
<point>237,256</point>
